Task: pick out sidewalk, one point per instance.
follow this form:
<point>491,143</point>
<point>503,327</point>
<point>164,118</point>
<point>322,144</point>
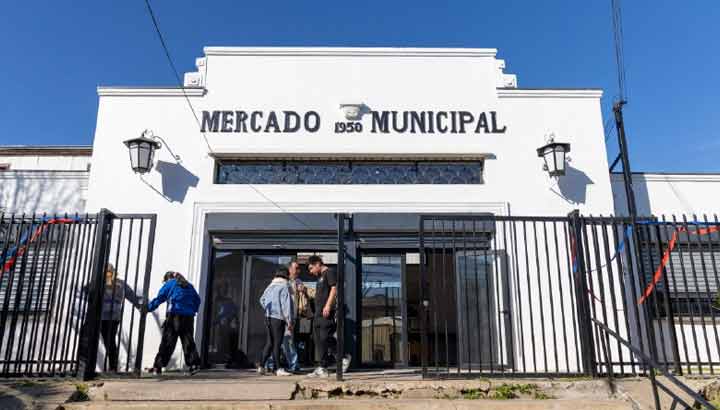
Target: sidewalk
<point>373,390</point>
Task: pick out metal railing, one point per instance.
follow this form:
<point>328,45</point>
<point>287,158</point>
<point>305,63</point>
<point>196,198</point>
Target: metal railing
<point>652,368</point>
<point>59,308</point>
<point>511,295</point>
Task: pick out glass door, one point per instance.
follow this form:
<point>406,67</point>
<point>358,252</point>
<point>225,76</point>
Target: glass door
<point>259,272</point>
<point>382,310</point>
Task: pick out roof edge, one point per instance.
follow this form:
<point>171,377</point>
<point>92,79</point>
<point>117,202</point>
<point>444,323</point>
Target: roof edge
<point>549,93</point>
<point>150,91</point>
<point>350,51</point>
<point>46,150</point>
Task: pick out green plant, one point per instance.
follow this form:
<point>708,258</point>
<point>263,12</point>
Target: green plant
<point>505,392</point>
<point>80,393</point>
<point>513,391</point>
<point>539,395</point>
<point>473,394</point>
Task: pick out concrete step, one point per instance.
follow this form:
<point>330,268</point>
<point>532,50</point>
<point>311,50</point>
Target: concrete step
<point>360,405</point>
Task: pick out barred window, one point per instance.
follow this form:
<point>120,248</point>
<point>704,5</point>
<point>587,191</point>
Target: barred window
<point>349,172</point>
<point>691,276</point>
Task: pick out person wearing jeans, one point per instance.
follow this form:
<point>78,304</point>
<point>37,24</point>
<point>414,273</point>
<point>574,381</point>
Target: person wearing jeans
<point>288,347</point>
<point>279,317</point>
<point>183,301</point>
<point>324,321</point>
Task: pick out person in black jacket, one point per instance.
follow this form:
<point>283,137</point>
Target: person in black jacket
<point>183,301</point>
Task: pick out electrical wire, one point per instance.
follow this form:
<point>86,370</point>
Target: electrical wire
<point>194,113</point>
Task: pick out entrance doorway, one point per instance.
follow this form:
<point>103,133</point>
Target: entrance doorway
<point>237,327</point>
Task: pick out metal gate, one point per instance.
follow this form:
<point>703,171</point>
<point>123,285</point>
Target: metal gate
<point>520,295</point>
<point>71,293</point>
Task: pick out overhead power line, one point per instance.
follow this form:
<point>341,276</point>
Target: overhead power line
<point>181,84</point>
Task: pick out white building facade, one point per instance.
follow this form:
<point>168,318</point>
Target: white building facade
<point>263,146</point>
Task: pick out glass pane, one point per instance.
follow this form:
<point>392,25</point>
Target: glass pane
<point>353,172</point>
<point>381,294</point>
<point>226,298</point>
<point>476,309</point>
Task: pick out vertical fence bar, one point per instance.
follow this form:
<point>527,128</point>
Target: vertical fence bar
<point>421,307</point>
<point>529,292</point>
<point>706,296</point>
<point>672,229</point>
<point>475,243</point>
<point>711,296</point>
<point>669,310</point>
<point>612,287</point>
<point>601,290</point>
<point>17,270</point>
<point>507,301</point>
<point>341,296</point>
<point>146,286</point>
<point>39,298</point>
<point>24,362</point>
<point>562,296</point>
<point>572,280</point>
<point>135,290</point>
<point>581,296</point>
<point>95,304</point>
<point>689,304</point>
<point>58,248</point>
<point>540,297</point>
<point>496,278</point>
<point>552,298</point>
<point>686,226</point>
<point>649,326</point>
<point>85,290</point>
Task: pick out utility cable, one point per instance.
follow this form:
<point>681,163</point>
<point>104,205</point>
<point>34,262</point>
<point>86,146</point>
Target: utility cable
<point>194,113</point>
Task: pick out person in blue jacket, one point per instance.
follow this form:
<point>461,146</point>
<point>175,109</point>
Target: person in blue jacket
<point>183,303</point>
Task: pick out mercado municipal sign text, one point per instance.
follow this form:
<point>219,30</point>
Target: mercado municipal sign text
<point>400,122</point>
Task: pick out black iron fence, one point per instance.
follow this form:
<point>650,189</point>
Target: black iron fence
<point>517,295</point>
<point>68,282</point>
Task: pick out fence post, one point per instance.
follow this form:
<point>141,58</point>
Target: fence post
<point>424,304</point>
<point>93,315</point>
<point>340,295</point>
<point>587,346</point>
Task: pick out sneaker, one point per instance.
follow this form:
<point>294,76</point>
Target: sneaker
<point>319,373</point>
<point>193,370</point>
<point>282,372</point>
<point>261,370</point>
<point>346,363</point>
<point>155,370</point>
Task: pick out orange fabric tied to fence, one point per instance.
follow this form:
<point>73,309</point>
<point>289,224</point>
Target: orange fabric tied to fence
<point>666,257</point>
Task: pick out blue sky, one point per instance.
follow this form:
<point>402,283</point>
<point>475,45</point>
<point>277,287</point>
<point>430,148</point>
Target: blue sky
<point>54,53</point>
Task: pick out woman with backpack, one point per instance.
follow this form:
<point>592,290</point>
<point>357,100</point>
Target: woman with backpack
<point>183,303</point>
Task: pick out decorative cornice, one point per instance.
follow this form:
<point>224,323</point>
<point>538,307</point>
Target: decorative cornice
<point>549,93</point>
<point>350,51</point>
<point>46,150</point>
<point>150,91</point>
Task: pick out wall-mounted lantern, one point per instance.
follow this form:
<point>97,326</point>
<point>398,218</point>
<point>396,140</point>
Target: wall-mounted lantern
<point>353,112</point>
<point>142,151</point>
<point>554,155</point>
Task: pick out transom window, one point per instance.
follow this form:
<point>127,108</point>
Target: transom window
<point>348,172</point>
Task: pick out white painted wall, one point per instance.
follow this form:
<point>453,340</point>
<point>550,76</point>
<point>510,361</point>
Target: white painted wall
<point>667,194</point>
<point>46,162</point>
<point>321,79</point>
<point>44,183</point>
